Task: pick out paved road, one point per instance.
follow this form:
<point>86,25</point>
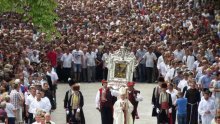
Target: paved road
<point>92,115</point>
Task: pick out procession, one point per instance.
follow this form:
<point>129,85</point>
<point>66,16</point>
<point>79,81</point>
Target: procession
<point>156,56</point>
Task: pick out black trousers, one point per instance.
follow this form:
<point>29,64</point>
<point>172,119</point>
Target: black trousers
<point>66,74</point>
<point>174,114</point>
<point>106,115</point>
<point>149,74</point>
<point>59,72</point>
<point>99,74</point>
<point>105,73</point>
<point>30,118</point>
<point>71,117</point>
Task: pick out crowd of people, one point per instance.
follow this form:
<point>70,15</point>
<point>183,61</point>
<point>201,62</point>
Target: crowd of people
<point>176,40</point>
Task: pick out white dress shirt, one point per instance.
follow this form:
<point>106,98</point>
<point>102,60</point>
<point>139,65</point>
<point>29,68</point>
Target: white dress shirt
<point>105,58</point>
<point>139,54</point>
<point>28,101</point>
<point>163,68</point>
<point>178,55</point>
<point>90,58</point>
<point>38,105</point>
<point>47,104</point>
<point>53,75</point>
<point>35,59</point>
<point>150,58</point>
<point>182,84</point>
<point>9,109</point>
<point>189,60</point>
<point>196,65</point>
<point>171,73</point>
<point>160,59</point>
<point>67,60</point>
<point>173,95</point>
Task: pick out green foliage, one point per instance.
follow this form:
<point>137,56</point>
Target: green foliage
<point>39,12</point>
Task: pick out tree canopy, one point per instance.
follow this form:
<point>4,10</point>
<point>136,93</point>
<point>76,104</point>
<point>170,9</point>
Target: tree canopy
<point>42,13</point>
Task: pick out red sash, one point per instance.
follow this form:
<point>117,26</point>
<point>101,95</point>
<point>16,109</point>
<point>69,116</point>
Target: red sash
<point>164,105</point>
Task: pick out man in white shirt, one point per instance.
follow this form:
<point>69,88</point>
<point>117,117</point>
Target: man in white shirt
<point>28,101</point>
<point>91,65</point>
<point>77,60</point>
<point>35,57</point>
<point>66,65</point>
<point>171,72</point>
<point>46,101</point>
<point>38,104</point>
<point>207,108</point>
<point>163,68</point>
<point>10,110</point>
<point>183,82</point>
<point>161,58</point>
<point>141,67</point>
<point>197,63</point>
<point>150,59</point>
<point>104,59</point>
<point>54,78</point>
<point>178,53</point>
<point>189,59</point>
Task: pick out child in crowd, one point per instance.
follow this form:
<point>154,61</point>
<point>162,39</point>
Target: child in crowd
<point>181,104</point>
<point>10,109</point>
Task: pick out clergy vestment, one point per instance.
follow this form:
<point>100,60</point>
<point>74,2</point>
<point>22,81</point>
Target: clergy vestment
<point>123,116</point>
<point>193,97</point>
<point>204,106</point>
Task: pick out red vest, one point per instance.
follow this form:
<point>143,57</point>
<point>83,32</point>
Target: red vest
<point>108,96</point>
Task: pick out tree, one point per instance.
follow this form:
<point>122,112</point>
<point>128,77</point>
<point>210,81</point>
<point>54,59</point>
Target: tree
<point>42,13</point>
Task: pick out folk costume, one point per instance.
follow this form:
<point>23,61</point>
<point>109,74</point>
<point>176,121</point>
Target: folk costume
<point>123,109</point>
<point>73,103</point>
<point>104,103</point>
<point>155,96</point>
<point>134,97</point>
<point>164,107</point>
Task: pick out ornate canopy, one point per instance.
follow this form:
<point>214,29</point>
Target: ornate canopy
<point>121,65</point>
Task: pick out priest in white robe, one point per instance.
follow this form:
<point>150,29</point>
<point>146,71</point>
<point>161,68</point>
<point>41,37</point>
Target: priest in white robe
<point>123,108</point>
<point>207,108</point>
